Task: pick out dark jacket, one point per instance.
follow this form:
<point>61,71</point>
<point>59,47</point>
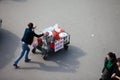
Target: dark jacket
<point>29,35</point>
<point>107,73</point>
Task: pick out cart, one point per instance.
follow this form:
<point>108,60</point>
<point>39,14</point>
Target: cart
<point>54,40</point>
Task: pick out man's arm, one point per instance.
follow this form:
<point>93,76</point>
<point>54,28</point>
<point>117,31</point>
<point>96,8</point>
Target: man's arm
<point>115,76</point>
<point>36,35</point>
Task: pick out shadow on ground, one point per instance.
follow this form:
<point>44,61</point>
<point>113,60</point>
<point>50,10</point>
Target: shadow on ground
<point>8,45</point>
<point>67,61</point>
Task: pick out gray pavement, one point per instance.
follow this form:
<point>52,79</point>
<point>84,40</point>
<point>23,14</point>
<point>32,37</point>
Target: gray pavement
<point>93,25</point>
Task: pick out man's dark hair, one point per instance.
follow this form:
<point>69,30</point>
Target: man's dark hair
<point>30,25</point>
<point>112,56</point>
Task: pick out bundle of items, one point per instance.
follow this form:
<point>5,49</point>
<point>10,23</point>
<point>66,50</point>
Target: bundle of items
<point>55,31</point>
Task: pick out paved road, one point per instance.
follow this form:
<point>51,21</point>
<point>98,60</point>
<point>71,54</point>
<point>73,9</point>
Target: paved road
<point>93,25</point>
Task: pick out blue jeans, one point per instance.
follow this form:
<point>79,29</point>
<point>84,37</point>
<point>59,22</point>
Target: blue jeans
<point>25,51</point>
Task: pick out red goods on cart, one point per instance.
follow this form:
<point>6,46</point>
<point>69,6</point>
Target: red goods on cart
<point>52,45</point>
<point>55,35</point>
<point>39,41</point>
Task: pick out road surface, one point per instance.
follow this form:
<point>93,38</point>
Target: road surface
<point>93,25</point>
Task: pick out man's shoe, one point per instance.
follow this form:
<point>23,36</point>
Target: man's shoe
<point>28,60</point>
<point>16,66</point>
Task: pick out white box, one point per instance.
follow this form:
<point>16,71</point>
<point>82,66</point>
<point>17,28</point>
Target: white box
<point>59,44</point>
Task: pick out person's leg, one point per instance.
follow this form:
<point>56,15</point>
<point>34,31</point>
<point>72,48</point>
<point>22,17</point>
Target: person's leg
<point>27,53</point>
<point>20,55</point>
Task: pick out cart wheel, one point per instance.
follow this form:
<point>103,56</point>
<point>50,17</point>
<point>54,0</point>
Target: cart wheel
<point>66,47</point>
<point>45,57</point>
<point>34,50</point>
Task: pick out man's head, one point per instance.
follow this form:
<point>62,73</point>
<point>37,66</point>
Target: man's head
<point>30,25</point>
<point>111,55</point>
<point>46,34</point>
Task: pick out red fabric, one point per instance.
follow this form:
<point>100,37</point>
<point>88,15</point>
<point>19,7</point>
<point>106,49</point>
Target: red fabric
<point>52,45</point>
<point>55,35</point>
<point>39,41</point>
<point>62,30</point>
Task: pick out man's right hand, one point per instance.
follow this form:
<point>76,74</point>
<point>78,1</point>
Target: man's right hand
<point>34,27</point>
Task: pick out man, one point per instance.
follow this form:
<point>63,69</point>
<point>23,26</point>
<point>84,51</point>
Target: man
<point>26,40</point>
<point>109,66</point>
